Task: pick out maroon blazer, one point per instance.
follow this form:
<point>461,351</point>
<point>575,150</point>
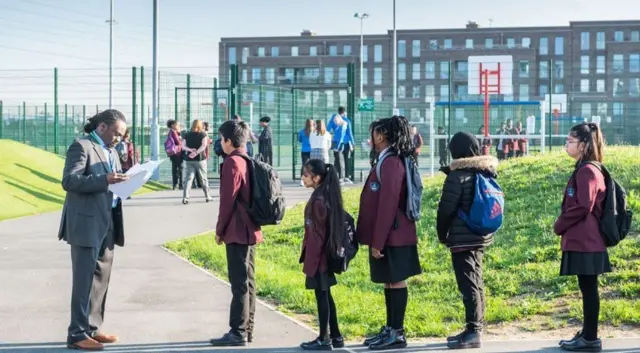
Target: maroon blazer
<point>234,224</point>
<point>578,224</point>
<point>382,220</point>
<point>314,256</point>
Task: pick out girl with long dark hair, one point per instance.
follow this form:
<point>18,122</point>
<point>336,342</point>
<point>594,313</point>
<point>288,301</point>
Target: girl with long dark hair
<point>176,154</point>
<point>584,253</point>
<point>323,231</point>
<point>385,228</point>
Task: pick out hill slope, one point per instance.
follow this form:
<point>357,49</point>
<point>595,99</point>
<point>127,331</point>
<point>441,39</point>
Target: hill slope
<point>30,180</point>
<point>521,268</point>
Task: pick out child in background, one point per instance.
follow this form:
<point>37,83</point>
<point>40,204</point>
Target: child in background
<point>442,148</point>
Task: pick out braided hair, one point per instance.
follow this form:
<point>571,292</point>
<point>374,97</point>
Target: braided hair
<point>397,132</point>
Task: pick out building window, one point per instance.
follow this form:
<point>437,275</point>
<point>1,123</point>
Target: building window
<point>261,51</point>
<point>245,76</point>
<point>558,88</point>
<point>523,68</point>
<point>415,92</point>
<point>544,46</point>
<point>402,71</point>
<point>634,63</point>
<point>429,92</point>
<point>462,67</point>
<point>558,68</point>
<point>245,55</point>
<point>544,69</point>
<point>433,44</point>
<point>618,109</point>
<point>294,51</point>
<point>328,75</point>
<point>444,70</point>
<point>402,92</point>
<point>415,72</point>
<point>346,50</point>
<point>232,56</point>
<point>544,89</point>
<point>524,92</point>
<point>430,70</point>
<point>444,92</point>
<point>618,36</point>
<point>377,53</point>
<point>584,41</point>
<point>462,91</point>
<point>488,43</point>
<point>342,75</point>
<point>618,63</point>
<point>600,86</point>
<point>584,64</point>
<point>377,76</point>
<point>635,36</point>
<point>448,43</point>
<point>468,43</point>
<point>402,48</point>
<point>365,76</point>
<point>526,42</point>
<point>415,49</point>
<point>377,95</point>
<point>255,75</point>
<point>313,51</point>
<point>586,110</point>
<point>601,67</point>
<point>634,87</point>
<point>601,41</point>
<point>584,85</point>
<point>333,50</point>
<point>365,53</point>
<point>271,75</point>
<point>275,51</point>
<point>511,43</point>
<point>618,87</point>
<point>559,46</point>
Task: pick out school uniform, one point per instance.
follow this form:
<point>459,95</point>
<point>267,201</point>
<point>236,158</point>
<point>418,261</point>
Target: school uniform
<point>314,255</point>
<point>240,235</point>
<point>383,224</point>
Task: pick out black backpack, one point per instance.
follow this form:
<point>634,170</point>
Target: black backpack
<point>414,184</point>
<point>338,262</point>
<point>267,201</point>
<point>615,221</point>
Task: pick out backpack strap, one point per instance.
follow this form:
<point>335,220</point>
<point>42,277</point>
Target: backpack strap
<point>379,164</point>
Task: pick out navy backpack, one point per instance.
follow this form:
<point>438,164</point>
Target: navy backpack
<point>486,212</point>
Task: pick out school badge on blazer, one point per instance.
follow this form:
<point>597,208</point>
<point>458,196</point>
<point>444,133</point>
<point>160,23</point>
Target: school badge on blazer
<point>375,186</point>
<point>571,192</point>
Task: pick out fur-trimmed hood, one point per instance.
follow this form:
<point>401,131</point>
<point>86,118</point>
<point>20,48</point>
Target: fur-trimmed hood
<point>480,163</point>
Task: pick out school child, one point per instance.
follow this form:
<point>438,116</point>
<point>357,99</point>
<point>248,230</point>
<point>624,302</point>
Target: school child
<point>522,143</point>
<point>486,142</point>
<point>442,148</point>
<point>584,253</point>
<point>385,228</point>
<point>323,227</point>
<point>466,246</point>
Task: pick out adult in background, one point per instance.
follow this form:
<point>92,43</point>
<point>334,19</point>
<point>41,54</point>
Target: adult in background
<point>265,148</point>
<point>343,143</point>
<point>304,136</point>
<point>92,224</point>
<point>194,145</point>
<point>175,155</point>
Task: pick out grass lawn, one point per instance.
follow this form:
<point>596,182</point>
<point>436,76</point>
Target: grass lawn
<point>30,180</point>
<point>521,268</point>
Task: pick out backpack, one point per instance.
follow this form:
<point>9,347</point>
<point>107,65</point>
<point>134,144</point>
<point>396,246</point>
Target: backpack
<point>267,205</point>
<point>170,147</point>
<point>414,185</point>
<point>615,220</point>
<point>486,213</point>
<point>339,262</point>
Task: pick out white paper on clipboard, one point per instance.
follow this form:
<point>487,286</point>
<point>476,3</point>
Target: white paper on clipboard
<point>128,187</point>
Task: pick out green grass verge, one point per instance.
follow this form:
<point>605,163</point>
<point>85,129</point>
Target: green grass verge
<point>521,268</point>
<point>30,180</point>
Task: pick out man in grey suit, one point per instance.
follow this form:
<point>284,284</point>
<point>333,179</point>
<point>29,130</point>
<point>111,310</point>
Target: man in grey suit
<point>92,224</point>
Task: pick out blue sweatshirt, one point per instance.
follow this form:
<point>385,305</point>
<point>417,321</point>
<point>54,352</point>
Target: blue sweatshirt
<point>304,140</point>
<point>342,135</point>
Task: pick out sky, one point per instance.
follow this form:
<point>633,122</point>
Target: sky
<point>73,35</point>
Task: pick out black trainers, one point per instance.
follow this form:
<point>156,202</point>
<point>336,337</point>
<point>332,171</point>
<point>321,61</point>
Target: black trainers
<point>337,342</point>
<point>582,345</point>
<point>394,339</point>
<point>228,340</point>
<point>456,337</point>
<point>575,337</point>
<point>469,339</point>
<point>317,345</point>
<point>375,338</point>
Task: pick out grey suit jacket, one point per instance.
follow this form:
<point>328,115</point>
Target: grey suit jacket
<point>87,212</point>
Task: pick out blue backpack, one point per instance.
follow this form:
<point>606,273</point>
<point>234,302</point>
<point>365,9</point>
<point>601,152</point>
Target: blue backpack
<point>486,212</point>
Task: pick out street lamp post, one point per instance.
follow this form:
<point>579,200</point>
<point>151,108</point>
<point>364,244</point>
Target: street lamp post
<point>111,22</point>
<point>362,17</point>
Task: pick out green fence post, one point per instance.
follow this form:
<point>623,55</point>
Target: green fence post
<point>351,113</point>
<point>550,112</point>
<point>55,110</point>
<point>134,101</point>
<point>233,86</point>
<point>293,137</point>
<point>1,122</point>
<point>449,106</point>
<point>141,103</point>
<point>46,127</point>
<point>188,101</point>
<point>261,98</point>
<point>215,102</point>
<point>84,115</point>
<point>24,122</point>
<point>66,126</point>
<point>97,109</point>
<point>277,117</point>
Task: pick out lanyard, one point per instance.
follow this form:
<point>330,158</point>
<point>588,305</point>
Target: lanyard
<point>110,155</point>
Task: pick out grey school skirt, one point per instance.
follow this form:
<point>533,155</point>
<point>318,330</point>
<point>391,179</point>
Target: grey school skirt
<point>320,153</point>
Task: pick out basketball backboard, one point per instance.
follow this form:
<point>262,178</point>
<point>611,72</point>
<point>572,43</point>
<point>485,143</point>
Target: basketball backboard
<point>490,62</point>
<point>558,102</point>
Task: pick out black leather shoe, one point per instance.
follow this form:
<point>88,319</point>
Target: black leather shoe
<point>228,340</point>
<point>582,345</point>
<point>456,337</point>
<point>337,342</point>
<point>375,338</point>
<point>394,339</point>
<point>469,339</point>
<point>575,337</point>
<point>317,345</point>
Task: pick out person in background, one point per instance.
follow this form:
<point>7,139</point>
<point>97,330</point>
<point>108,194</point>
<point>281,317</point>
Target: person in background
<point>324,219</point>
<point>265,140</point>
<point>194,144</point>
<point>584,253</point>
<point>303,138</point>
<point>126,152</point>
<point>320,141</point>
<point>522,143</point>
<point>176,158</point>
<point>486,141</point>
<point>510,145</point>
<point>467,247</point>
<point>417,142</point>
<point>442,148</point>
<point>343,143</point>
<point>251,139</point>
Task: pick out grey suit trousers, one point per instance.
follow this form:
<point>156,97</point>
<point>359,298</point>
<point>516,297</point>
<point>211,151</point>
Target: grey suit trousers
<point>91,272</point>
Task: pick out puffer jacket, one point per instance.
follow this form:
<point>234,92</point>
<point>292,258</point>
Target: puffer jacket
<point>457,193</point>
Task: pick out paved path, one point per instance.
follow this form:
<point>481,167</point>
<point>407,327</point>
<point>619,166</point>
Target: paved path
<point>157,302</point>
